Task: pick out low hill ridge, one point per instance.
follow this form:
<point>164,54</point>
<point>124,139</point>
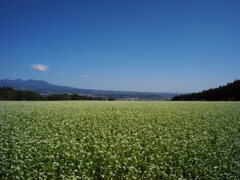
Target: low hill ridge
<point>229,92</point>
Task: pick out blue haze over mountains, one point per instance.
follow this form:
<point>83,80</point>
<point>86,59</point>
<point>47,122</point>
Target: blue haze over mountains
<point>45,89</point>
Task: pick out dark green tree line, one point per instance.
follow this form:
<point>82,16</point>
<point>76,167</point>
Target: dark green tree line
<point>229,92</point>
<point>10,94</point>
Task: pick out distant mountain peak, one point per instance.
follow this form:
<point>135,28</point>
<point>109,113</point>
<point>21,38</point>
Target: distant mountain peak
<point>36,81</point>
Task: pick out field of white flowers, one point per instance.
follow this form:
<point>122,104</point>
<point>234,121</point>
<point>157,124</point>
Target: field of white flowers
<point>119,140</point>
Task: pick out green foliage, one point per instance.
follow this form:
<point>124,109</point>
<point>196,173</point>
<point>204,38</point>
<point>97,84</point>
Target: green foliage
<point>229,92</point>
<point>10,94</point>
<point>119,140</point>
<point>71,97</point>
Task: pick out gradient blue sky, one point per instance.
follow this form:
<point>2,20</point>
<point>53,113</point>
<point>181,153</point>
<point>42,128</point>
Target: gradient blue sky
<point>150,45</point>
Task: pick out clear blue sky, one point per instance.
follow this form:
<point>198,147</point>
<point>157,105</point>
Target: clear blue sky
<point>150,45</point>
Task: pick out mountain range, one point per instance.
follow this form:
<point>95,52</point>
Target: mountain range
<point>45,88</point>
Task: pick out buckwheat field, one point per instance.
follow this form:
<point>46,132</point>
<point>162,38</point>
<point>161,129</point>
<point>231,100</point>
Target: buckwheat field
<point>119,140</point>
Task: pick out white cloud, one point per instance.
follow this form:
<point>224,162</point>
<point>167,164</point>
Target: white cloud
<point>40,67</point>
<point>84,76</point>
<point>14,74</point>
<point>61,75</point>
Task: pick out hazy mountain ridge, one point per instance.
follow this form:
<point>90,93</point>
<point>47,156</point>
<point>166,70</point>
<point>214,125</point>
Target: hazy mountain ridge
<point>46,89</point>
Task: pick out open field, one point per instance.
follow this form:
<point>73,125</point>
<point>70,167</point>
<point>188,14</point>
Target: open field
<point>119,140</point>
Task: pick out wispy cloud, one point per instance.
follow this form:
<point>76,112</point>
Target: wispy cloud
<point>84,76</point>
<point>14,74</point>
<point>61,75</point>
<point>40,67</point>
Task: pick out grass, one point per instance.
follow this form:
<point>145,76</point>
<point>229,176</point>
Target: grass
<point>119,140</point>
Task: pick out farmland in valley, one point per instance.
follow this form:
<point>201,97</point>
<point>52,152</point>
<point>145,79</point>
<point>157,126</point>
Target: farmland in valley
<point>119,140</point>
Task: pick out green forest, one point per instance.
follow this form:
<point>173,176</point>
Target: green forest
<point>10,94</point>
<point>229,92</point>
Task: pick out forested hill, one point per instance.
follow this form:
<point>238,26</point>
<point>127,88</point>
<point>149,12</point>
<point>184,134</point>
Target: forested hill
<point>10,94</point>
<point>229,92</point>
